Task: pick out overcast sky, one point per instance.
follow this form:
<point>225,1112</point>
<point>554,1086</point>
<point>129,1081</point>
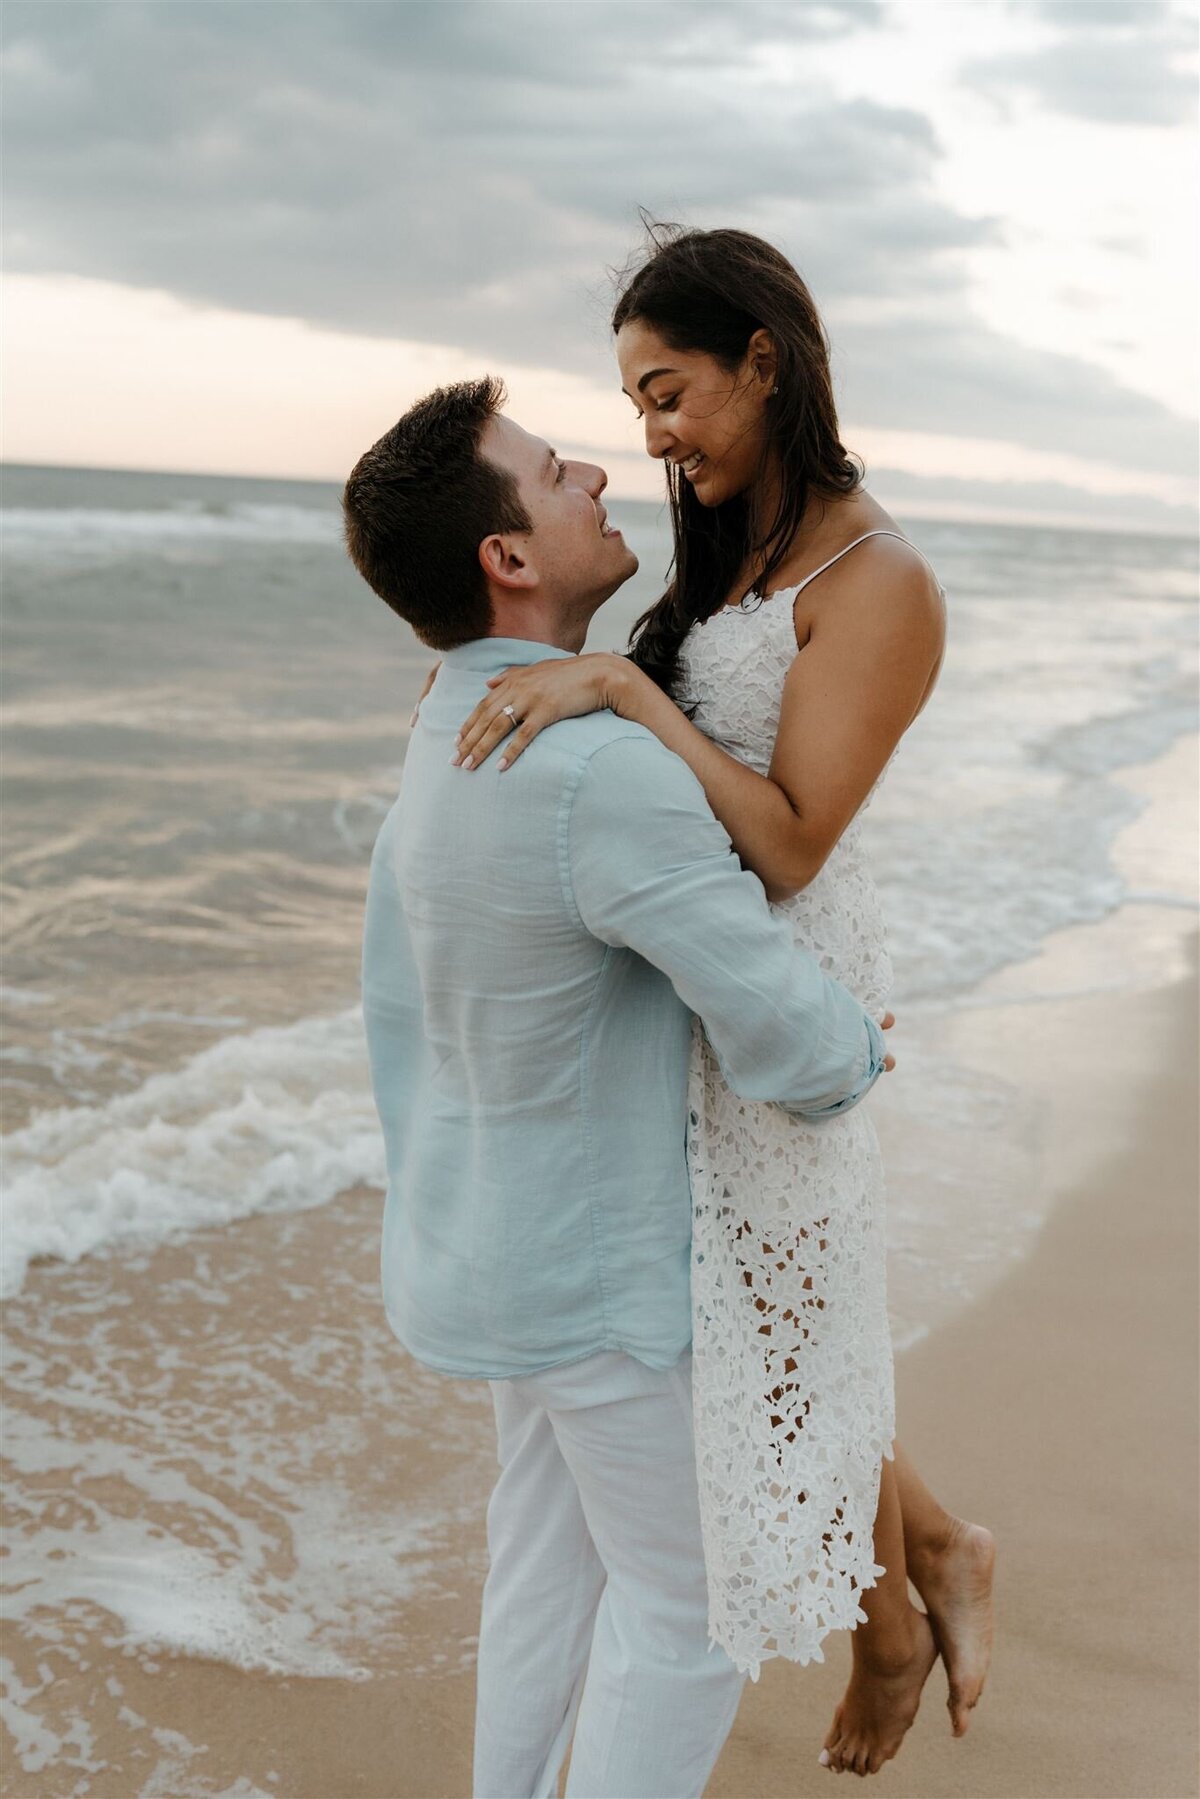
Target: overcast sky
<point>243,234</point>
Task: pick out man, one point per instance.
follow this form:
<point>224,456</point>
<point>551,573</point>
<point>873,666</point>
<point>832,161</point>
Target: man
<point>537,941</point>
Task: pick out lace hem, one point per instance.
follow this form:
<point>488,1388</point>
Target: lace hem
<point>792,1368</point>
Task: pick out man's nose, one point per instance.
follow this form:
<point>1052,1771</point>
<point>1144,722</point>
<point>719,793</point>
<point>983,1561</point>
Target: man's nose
<point>595,479</point>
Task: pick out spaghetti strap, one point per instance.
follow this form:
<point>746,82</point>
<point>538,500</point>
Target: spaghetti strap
<point>880,531</point>
<point>743,605</point>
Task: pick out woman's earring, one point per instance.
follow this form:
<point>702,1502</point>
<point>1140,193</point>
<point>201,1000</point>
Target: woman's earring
<point>775,390</point>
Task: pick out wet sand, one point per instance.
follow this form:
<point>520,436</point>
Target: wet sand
<point>1060,1410</point>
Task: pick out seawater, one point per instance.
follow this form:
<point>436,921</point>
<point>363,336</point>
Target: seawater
<point>206,714</point>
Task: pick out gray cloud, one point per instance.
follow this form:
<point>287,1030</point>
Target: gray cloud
<point>1123,245</point>
<point>1112,61</point>
<point>1083,299</point>
<point>897,489</point>
<point>1077,15</point>
<point>460,171</point>
<point>953,375</point>
<point>465,172</point>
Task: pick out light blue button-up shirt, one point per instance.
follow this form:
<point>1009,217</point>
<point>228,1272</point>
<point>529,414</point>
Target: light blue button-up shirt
<point>537,941</point>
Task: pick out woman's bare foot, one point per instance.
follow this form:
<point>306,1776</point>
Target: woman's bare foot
<point>955,1582</point>
<point>879,1704</point>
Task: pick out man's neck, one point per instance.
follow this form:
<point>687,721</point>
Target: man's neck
<point>546,625</point>
<point>572,641</point>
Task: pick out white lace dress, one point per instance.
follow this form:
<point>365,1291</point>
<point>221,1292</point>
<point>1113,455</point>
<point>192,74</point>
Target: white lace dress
<point>792,1371</point>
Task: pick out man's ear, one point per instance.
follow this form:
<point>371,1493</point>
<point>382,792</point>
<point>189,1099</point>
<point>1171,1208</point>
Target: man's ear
<point>505,562</point>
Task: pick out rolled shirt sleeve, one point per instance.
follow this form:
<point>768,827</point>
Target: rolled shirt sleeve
<point>652,870</point>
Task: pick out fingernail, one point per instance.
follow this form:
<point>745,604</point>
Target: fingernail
<point>502,765</point>
<point>468,761</point>
<point>458,737</point>
<point>455,759</point>
<point>823,1758</point>
<point>412,721</point>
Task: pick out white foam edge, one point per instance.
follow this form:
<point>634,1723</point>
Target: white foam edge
<point>34,528</point>
<point>275,1119</point>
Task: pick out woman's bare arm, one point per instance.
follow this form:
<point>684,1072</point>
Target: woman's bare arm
<point>873,644</point>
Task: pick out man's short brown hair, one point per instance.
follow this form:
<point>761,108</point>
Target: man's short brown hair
<point>418,505</point>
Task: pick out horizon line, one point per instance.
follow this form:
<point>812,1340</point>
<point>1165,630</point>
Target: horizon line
<point>949,512</point>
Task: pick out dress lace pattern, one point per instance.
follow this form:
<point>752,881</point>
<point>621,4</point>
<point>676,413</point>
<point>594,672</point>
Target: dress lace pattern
<point>793,1385</point>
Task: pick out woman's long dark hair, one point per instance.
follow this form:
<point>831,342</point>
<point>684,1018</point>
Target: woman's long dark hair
<point>710,291</point>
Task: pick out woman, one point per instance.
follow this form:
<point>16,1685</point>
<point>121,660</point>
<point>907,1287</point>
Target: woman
<point>799,637</point>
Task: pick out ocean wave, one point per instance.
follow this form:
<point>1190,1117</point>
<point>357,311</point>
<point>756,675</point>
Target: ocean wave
<point>965,902</point>
<point>276,1119</point>
<point>226,1597</point>
<point>34,530</point>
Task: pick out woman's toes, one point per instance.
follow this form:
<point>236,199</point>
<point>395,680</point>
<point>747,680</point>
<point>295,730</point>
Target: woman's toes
<point>961,1704</point>
<point>830,1756</point>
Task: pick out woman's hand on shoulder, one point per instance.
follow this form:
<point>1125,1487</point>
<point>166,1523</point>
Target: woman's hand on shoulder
<point>540,694</point>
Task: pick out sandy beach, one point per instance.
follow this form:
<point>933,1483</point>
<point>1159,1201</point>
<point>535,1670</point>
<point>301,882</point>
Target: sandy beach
<point>245,1531</point>
<point>766,287</point>
<point>1060,1410</point>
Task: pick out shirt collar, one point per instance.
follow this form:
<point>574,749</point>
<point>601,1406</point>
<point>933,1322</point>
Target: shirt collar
<point>488,655</point>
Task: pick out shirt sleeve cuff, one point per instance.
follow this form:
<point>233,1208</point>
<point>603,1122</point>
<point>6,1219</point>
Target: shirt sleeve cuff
<point>874,1052</point>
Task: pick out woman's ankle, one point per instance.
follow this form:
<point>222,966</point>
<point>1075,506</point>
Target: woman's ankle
<point>937,1538</point>
<point>886,1643</point>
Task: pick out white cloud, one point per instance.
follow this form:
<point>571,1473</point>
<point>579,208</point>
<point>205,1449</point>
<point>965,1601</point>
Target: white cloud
<point>414,176</point>
<point>99,375</point>
<point>168,384</point>
<point>1106,60</point>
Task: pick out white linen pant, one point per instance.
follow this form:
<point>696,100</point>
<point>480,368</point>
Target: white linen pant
<point>595,1608</point>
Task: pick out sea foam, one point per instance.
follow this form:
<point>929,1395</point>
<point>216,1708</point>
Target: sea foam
<point>276,1119</point>
<point>30,530</point>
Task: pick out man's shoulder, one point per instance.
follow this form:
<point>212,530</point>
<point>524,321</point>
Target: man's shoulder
<point>577,742</point>
<point>607,759</point>
<point>384,849</point>
<point>614,770</point>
